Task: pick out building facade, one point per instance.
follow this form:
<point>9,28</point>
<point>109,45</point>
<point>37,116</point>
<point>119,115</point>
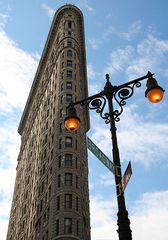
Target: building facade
<point>51,197</point>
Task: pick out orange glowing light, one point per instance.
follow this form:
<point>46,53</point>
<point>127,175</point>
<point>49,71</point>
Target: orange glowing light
<point>155,95</point>
<point>72,124</point>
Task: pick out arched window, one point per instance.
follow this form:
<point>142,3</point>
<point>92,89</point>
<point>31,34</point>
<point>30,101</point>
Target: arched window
<point>69,53</point>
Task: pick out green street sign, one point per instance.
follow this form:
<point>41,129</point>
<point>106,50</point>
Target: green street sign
<point>100,155</point>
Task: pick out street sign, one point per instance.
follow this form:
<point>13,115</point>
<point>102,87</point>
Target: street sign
<point>100,155</point>
<point>126,177</point>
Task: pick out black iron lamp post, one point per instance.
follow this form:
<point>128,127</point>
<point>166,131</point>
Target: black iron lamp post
<point>97,102</point>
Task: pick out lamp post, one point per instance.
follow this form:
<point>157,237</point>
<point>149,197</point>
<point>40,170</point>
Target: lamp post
<point>98,102</point>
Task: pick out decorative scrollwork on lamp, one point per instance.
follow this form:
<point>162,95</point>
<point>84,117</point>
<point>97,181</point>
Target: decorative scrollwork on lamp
<point>98,104</point>
<point>121,95</point>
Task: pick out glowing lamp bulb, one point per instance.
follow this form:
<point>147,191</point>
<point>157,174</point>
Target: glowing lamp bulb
<point>155,95</point>
<point>72,124</point>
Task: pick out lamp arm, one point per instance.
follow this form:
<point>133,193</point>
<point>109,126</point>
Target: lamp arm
<point>85,100</point>
<point>149,74</point>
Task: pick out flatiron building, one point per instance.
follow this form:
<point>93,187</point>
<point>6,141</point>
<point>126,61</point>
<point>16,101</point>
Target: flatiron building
<point>51,197</point>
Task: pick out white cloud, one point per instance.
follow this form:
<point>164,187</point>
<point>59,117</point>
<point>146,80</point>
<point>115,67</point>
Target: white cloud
<point>94,43</point>
<point>50,11</point>
<point>103,218</point>
<point>3,19</point>
<point>87,6</point>
<point>106,179</point>
<point>148,217</point>
<point>132,139</point>
<point>17,69</point>
<point>94,85</point>
<point>133,30</point>
<point>119,59</point>
<point>4,214</point>
<point>151,53</point>
<point>132,61</point>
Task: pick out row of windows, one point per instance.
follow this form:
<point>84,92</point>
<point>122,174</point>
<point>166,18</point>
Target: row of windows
<point>44,201</point>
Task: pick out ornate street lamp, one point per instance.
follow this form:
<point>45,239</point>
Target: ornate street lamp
<point>97,102</point>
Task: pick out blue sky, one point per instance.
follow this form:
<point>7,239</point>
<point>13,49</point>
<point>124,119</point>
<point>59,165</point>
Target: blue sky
<point>124,39</point>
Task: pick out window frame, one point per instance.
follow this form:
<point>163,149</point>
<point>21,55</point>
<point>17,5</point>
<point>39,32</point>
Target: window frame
<point>67,225</point>
<point>68,159</point>
<point>68,179</point>
<point>68,201</point>
<point>68,142</point>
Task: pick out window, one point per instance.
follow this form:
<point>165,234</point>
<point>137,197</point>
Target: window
<point>47,235</point>
<point>69,44</point>
<point>59,180</point>
<point>41,205</point>
<point>49,191</point>
<point>57,226</point>
<point>69,98</point>
<point>77,203</point>
<point>69,33</point>
<point>45,138</point>
<point>46,198</point>
<point>69,74</point>
<point>68,159</point>
<point>68,142</point>
<point>62,86</point>
<point>68,201</point>
<point>69,24</point>
<point>45,152</point>
<point>69,53</point>
<point>44,218</point>
<point>47,112</point>
<point>52,154</point>
<point>68,179</point>
<point>52,138</point>
<point>61,112</point>
<point>60,127</point>
<point>48,212</point>
<point>62,75</point>
<point>60,143</point>
<point>76,162</point>
<point>44,168</point>
<point>61,99</point>
<point>59,161</point>
<point>68,225</point>
<point>62,54</point>
<point>42,186</point>
<point>62,64</point>
<point>68,85</point>
<point>69,63</point>
<point>76,181</point>
<point>58,202</point>
<point>77,228</point>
